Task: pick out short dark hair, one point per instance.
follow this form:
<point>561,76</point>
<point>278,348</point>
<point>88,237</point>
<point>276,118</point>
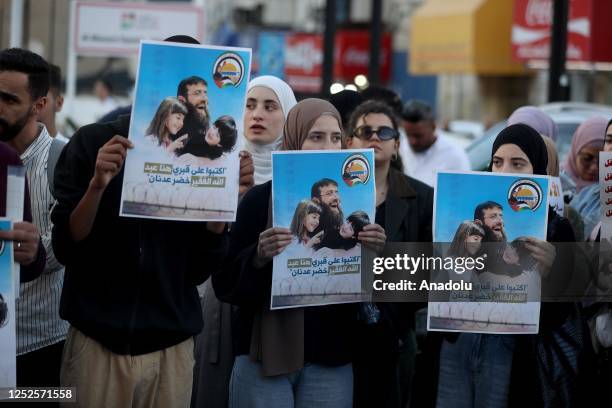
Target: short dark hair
<point>55,79</point>
<point>227,132</point>
<point>416,111</point>
<point>107,83</point>
<point>192,80</point>
<point>386,95</point>
<point>27,62</point>
<point>479,211</point>
<point>185,39</point>
<point>346,101</point>
<point>367,107</point>
<point>375,106</point>
<point>358,220</point>
<point>315,191</point>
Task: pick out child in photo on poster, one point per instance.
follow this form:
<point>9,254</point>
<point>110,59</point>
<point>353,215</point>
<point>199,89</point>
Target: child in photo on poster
<point>174,128</point>
<point>467,243</point>
<point>165,126</point>
<point>304,224</point>
<point>185,163</point>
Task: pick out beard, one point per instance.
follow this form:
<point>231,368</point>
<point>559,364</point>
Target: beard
<point>196,115</point>
<point>331,219</point>
<point>8,132</point>
<point>491,236</point>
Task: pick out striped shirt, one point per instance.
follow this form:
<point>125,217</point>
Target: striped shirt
<point>38,322</point>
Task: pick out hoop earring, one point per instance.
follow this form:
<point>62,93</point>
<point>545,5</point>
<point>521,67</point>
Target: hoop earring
<point>394,157</point>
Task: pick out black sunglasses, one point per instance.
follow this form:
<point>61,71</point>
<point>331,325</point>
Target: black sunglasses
<point>384,132</point>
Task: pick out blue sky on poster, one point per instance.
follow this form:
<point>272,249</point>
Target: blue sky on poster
<point>159,75</point>
<point>457,195</point>
<point>5,262</point>
<point>295,173</point>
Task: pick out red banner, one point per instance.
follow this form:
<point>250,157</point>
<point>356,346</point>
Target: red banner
<point>304,58</point>
<point>304,62</point>
<point>531,31</point>
<point>352,49</point>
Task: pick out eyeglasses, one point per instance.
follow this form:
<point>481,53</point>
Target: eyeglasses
<point>383,132</point>
<point>494,216</point>
<point>197,93</point>
<point>330,193</point>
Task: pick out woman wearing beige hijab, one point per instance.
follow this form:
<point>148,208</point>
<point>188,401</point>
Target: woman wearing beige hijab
<point>269,100</point>
<point>292,357</point>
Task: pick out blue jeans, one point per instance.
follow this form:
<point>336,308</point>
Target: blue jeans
<point>475,371</point>
<point>314,386</point>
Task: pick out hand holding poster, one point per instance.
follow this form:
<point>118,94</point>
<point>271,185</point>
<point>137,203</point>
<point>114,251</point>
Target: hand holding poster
<point>188,109</point>
<point>494,218</point>
<point>325,198</point>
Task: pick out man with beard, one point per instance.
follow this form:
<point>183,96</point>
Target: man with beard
<point>325,193</point>
<point>491,217</point>
<point>193,92</point>
<point>24,83</point>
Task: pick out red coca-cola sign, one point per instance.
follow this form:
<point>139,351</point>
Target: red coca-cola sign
<point>352,49</point>
<point>587,32</point>
<point>304,58</point>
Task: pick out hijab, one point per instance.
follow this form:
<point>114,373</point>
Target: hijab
<point>261,153</point>
<point>537,119</point>
<point>591,132</point>
<point>301,118</point>
<point>277,337</point>
<point>529,141</point>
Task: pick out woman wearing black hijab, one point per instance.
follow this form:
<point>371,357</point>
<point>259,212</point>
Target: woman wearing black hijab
<point>521,145</point>
<point>527,370</point>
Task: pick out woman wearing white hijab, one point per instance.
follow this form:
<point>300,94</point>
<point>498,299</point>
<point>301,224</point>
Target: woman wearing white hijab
<point>269,100</point>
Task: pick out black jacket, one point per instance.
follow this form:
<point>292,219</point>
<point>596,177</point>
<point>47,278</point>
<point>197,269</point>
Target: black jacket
<point>408,212</point>
<point>131,283</point>
<point>406,216</point>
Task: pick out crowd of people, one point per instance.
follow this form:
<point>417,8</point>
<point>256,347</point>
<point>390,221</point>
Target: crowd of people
<point>144,312</point>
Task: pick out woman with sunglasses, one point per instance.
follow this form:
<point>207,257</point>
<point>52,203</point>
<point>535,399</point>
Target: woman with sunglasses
<point>404,209</point>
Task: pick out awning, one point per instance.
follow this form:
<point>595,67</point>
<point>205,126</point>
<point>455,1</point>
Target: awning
<point>463,36</point>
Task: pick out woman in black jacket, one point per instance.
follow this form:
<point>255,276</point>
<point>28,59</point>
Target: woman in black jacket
<point>404,207</point>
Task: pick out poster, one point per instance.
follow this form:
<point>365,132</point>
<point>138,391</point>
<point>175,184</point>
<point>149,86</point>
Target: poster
<point>186,119</point>
<point>325,198</point>
<point>488,217</point>
<point>8,345</point>
<point>15,197</point>
<point>556,196</point>
<point>605,195</point>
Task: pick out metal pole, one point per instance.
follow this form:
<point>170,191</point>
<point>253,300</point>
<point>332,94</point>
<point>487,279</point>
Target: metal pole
<point>558,81</point>
<point>16,35</point>
<point>375,34</point>
<point>328,47</point>
<point>71,71</point>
